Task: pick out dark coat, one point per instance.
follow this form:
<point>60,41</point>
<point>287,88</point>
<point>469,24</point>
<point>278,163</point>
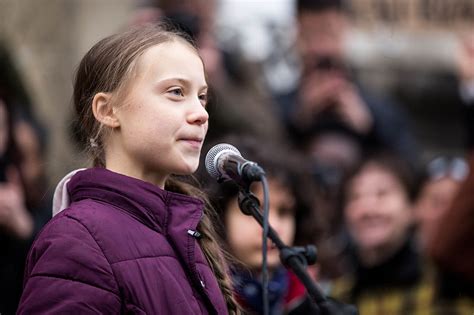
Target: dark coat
<point>123,246</point>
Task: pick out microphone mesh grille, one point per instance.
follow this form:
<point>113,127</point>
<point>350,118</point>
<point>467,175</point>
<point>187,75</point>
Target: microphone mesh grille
<point>212,157</point>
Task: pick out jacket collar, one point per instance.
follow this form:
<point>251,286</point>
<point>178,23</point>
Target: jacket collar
<point>144,201</point>
<point>401,270</point>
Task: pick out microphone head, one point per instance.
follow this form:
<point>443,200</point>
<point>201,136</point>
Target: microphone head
<point>213,156</point>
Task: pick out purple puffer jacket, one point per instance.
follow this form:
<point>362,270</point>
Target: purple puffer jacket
<point>123,246</point>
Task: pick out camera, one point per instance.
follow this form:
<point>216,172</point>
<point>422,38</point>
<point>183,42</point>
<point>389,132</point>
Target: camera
<point>328,63</point>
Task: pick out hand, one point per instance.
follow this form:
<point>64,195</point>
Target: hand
<point>14,217</point>
<point>465,59</point>
<point>318,92</point>
<point>353,110</point>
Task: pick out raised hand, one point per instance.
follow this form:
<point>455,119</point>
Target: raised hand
<point>14,217</point>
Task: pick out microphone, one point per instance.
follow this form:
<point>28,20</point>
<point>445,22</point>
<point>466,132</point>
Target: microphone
<point>224,162</point>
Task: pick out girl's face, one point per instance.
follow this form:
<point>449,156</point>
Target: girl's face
<point>377,210</point>
<point>244,234</point>
<point>163,120</point>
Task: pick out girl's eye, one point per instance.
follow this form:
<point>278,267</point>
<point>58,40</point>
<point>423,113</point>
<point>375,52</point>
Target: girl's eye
<point>203,99</point>
<point>177,91</point>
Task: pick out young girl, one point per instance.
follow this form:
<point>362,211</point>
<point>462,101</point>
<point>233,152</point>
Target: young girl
<point>134,239</point>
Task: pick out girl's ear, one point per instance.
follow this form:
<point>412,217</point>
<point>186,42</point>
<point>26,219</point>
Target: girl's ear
<point>104,111</point>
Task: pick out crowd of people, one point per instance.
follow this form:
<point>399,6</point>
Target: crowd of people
<point>144,229</point>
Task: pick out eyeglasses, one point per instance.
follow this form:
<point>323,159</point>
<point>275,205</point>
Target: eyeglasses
<point>453,167</point>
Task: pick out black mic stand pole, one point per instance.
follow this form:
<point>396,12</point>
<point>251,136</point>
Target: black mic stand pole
<point>294,258</point>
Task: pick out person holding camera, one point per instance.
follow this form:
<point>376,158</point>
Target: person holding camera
<point>328,90</point>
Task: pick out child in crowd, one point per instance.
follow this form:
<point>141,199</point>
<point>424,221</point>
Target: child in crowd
<point>290,212</point>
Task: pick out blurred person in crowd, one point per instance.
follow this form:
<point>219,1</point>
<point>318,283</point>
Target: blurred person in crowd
<point>129,235</point>
<point>239,100</point>
<point>31,138</point>
<point>384,274</point>
<point>450,246</point>
<point>21,213</point>
<point>438,196</point>
<point>333,150</point>
<point>328,89</point>
<point>443,178</point>
<point>290,215</point>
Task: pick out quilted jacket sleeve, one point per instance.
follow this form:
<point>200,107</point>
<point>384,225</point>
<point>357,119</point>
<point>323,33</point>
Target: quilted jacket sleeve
<point>67,273</point>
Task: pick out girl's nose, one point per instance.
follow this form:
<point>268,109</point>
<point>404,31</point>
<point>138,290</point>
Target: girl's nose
<point>198,114</point>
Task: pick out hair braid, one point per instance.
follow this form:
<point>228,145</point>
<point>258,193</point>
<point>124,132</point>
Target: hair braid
<point>214,253</point>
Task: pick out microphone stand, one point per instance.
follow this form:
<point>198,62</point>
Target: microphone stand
<point>294,258</point>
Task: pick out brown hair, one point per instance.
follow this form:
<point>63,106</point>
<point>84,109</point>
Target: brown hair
<point>397,165</point>
<point>107,67</point>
